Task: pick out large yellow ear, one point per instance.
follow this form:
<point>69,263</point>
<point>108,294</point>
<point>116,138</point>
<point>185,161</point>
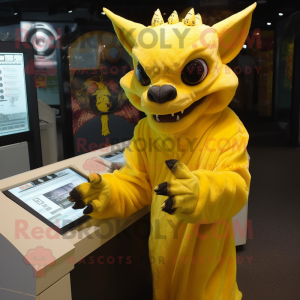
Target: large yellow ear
<point>126,31</point>
<point>233,32</point>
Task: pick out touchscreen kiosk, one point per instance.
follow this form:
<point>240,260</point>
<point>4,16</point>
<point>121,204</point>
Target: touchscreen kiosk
<point>46,198</point>
<point>19,118</point>
<point>13,96</point>
<point>38,221</point>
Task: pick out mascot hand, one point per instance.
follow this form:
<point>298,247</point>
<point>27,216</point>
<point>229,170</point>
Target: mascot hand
<point>183,189</point>
<point>94,195</point>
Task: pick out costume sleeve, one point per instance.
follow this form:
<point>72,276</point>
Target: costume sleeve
<point>223,191</point>
<point>130,187</point>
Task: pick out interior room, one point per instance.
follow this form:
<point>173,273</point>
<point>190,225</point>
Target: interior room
<point>109,189</point>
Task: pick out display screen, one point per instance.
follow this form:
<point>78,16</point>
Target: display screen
<point>48,196</point>
<point>13,96</point>
<point>116,157</point>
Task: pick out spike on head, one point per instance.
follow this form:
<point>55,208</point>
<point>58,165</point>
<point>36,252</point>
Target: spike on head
<point>190,19</point>
<point>157,19</point>
<point>173,19</point>
<point>198,19</point>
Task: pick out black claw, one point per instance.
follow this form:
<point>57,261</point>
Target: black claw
<point>74,196</point>
<point>171,212</point>
<point>171,163</point>
<point>162,189</point>
<point>78,205</point>
<point>89,209</point>
<point>168,206</point>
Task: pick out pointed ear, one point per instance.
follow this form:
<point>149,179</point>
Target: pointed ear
<point>233,32</point>
<point>126,31</point>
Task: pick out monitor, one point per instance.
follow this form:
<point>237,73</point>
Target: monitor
<point>13,96</point>
<point>19,117</point>
<point>46,198</point>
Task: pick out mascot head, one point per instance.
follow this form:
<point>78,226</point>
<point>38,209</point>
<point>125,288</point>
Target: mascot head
<point>180,71</point>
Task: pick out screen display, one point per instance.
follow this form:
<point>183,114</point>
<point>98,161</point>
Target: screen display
<point>48,196</point>
<point>13,96</point>
<point>116,157</point>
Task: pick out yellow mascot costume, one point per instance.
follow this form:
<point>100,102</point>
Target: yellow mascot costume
<point>188,157</point>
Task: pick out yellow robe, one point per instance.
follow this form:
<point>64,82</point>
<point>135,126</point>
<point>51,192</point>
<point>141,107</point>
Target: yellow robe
<point>192,255</point>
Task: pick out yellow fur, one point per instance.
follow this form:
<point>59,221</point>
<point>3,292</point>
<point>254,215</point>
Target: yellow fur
<point>211,181</point>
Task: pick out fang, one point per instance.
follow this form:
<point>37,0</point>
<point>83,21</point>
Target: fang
<point>177,118</point>
<point>182,111</point>
<point>172,115</point>
<point>157,119</point>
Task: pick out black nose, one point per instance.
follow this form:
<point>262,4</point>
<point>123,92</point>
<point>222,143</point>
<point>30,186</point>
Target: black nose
<point>162,94</point>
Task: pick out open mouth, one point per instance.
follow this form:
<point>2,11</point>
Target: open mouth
<point>178,115</point>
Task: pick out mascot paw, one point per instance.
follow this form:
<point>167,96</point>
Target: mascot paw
<point>183,189</point>
<point>94,195</point>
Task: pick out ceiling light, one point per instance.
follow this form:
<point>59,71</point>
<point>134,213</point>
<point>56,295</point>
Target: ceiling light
<point>103,13</point>
<point>70,11</point>
<point>245,46</point>
<point>269,23</point>
<point>280,14</point>
<point>14,10</point>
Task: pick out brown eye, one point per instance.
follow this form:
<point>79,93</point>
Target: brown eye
<point>142,75</point>
<point>194,72</point>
